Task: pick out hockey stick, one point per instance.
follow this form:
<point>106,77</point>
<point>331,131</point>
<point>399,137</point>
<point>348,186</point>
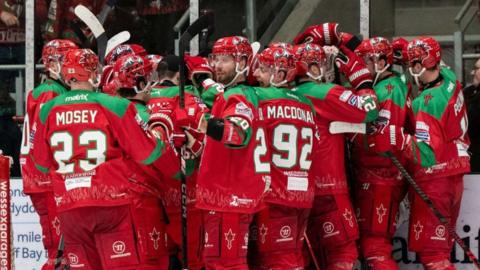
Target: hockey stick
<point>58,259</point>
<point>345,127</point>
<point>116,40</point>
<point>194,29</point>
<point>310,250</point>
<point>84,14</point>
<point>436,212</point>
<point>107,8</point>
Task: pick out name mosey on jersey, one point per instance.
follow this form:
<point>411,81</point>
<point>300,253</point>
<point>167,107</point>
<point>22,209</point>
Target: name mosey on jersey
<point>76,117</point>
<point>288,112</point>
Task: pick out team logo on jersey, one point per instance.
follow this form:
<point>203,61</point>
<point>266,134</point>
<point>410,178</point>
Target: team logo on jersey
<point>417,229</point>
<point>348,217</point>
<point>389,88</point>
<point>229,237</point>
<point>263,233</point>
<point>426,99</point>
<point>285,234</point>
<point>154,236</point>
<point>56,225</point>
<point>119,247</point>
<point>381,211</point>
<point>439,233</point>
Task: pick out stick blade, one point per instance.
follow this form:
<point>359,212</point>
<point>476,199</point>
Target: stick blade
<point>84,14</point>
<point>337,127</point>
<point>116,40</point>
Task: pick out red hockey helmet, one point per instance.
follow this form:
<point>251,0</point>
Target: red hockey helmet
<point>129,70</point>
<point>235,46</point>
<point>425,50</point>
<point>55,50</point>
<point>80,65</point>
<point>124,49</point>
<point>281,45</point>
<point>307,54</point>
<point>399,46</point>
<point>278,59</point>
<point>376,48</point>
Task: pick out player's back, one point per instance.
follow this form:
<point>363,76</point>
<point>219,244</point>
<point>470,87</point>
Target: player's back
<point>285,142</point>
<point>35,181</point>
<point>89,135</point>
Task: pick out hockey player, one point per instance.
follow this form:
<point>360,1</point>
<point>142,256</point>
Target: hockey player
<point>379,186</point>
<point>285,143</point>
<point>228,188</point>
<point>437,152</point>
<point>333,226</point>
<point>35,183</point>
<point>165,101</point>
<point>83,138</point>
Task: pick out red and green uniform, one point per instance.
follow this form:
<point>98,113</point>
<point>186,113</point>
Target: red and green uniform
<point>333,226</point>
<point>165,100</point>
<point>379,187</point>
<point>439,159</point>
<point>228,187</point>
<point>84,140</point>
<point>285,140</point>
<point>36,184</point>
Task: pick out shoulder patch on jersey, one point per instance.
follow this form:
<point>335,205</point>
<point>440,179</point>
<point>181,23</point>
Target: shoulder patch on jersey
<point>422,131</point>
<point>345,95</point>
<point>242,109</point>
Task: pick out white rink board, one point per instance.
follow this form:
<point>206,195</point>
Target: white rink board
<point>29,253</point>
<point>27,233</point>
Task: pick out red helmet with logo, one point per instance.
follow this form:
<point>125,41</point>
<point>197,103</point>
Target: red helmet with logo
<point>55,50</point>
<point>425,50</point>
<point>124,49</point>
<point>154,59</point>
<point>399,46</point>
<point>235,46</point>
<point>281,45</point>
<point>376,47</point>
<point>279,59</point>
<point>80,65</point>
<point>307,54</point>
<point>129,70</point>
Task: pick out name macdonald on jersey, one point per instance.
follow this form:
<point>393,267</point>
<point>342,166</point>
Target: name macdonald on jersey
<point>290,112</point>
<point>76,117</point>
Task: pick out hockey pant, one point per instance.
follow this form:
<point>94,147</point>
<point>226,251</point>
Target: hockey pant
<point>126,237</point>
<point>195,233</point>
<point>377,202</point>
<point>333,230</point>
<point>277,234</point>
<point>427,236</point>
<point>225,241</point>
<point>45,207</point>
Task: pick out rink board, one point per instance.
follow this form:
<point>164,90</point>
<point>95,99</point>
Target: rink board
<point>29,253</point>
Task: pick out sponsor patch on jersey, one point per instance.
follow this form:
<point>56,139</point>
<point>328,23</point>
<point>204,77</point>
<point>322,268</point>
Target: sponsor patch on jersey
<point>78,182</point>
<point>353,100</point>
<point>345,95</point>
<point>297,183</point>
<point>242,109</point>
<point>384,113</point>
<point>422,131</point>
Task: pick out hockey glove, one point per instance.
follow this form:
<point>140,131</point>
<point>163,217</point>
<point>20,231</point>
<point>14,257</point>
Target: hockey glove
<point>198,69</point>
<point>161,125</point>
<point>322,34</point>
<point>354,68</point>
<point>391,139</point>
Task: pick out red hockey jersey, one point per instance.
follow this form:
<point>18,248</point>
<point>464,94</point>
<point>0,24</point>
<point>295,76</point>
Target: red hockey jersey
<point>334,103</point>
<point>84,137</point>
<point>227,180</point>
<point>439,148</point>
<point>35,181</point>
<point>285,141</point>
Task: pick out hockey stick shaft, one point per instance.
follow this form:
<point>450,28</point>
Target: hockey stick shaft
<point>58,259</point>
<point>310,250</point>
<point>436,212</point>
<point>195,28</point>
